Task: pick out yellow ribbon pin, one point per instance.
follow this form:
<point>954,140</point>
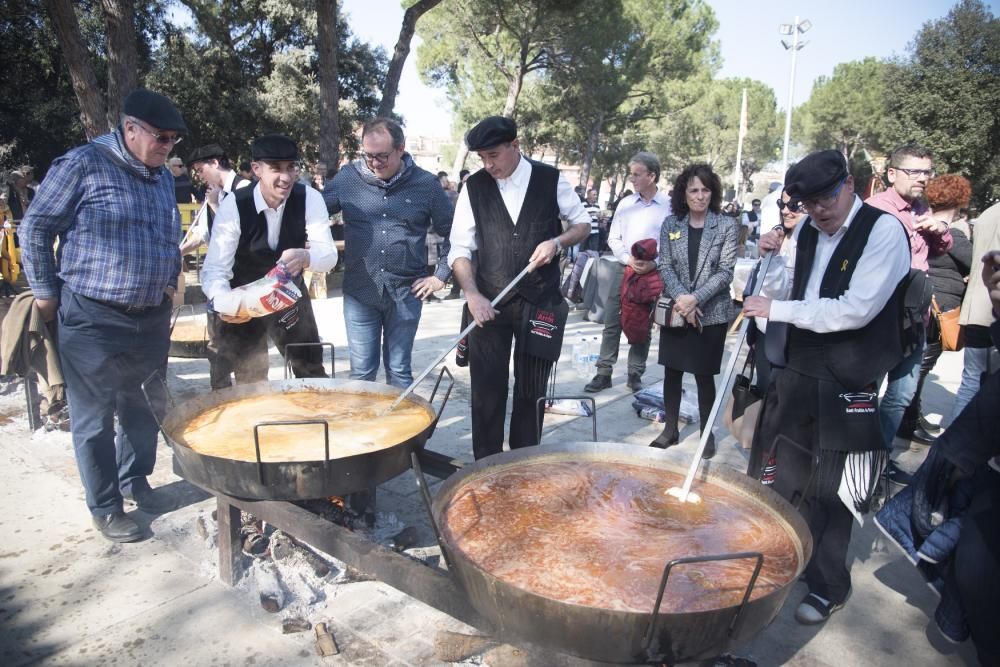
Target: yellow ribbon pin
<point>673,236</point>
<point>843,266</point>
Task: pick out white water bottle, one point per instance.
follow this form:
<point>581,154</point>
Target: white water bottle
<point>594,351</point>
<point>581,357</point>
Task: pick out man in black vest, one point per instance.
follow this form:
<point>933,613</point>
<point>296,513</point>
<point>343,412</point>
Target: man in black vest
<point>254,229</point>
<point>214,169</point>
<point>510,212</point>
<point>835,330</point>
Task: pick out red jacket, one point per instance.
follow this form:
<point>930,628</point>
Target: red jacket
<point>639,294</point>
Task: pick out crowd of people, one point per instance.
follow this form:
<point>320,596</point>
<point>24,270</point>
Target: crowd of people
<point>841,281</point>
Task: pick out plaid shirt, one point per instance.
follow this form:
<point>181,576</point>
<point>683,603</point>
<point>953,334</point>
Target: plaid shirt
<point>117,223</point>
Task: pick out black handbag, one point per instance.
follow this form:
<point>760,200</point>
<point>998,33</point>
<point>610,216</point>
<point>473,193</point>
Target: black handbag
<point>745,393</point>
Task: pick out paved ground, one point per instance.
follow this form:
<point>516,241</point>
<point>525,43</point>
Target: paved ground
<point>69,597</point>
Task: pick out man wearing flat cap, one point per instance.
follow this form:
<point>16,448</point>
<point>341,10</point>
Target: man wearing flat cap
<point>276,220</point>
<point>111,205</point>
<point>214,169</point>
<point>509,214</point>
<point>834,329</point>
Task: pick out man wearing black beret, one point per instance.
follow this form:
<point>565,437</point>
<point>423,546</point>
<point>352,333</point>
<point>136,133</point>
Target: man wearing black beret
<point>276,220</point>
<point>111,203</point>
<point>509,214</point>
<point>835,332</point>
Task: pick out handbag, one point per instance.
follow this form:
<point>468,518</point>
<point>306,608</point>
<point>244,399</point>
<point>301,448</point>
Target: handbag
<point>952,334</point>
<point>665,315</point>
<point>743,407</point>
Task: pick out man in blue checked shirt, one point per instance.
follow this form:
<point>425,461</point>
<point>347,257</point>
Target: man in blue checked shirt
<point>389,204</point>
<point>111,205</point>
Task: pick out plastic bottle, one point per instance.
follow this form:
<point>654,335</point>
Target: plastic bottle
<point>594,351</point>
<point>581,357</point>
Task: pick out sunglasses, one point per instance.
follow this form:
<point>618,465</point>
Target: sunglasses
<point>161,138</point>
<point>824,201</point>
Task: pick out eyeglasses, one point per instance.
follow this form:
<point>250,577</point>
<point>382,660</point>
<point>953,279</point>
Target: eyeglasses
<point>161,138</point>
<point>915,173</point>
<point>826,201</point>
<point>381,158</point>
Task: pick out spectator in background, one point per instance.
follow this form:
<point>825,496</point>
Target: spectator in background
<point>246,171</point>
<point>183,188</point>
<point>19,194</point>
<point>451,193</point>
<point>462,177</point>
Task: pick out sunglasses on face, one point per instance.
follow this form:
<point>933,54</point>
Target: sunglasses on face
<point>810,203</point>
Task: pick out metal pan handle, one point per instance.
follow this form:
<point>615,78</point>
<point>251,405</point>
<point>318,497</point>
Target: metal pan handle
<point>447,393</point>
<point>425,494</point>
<point>177,314</point>
<point>320,345</point>
<point>157,375</point>
<point>653,622</point>
<point>540,411</point>
<point>293,422</point>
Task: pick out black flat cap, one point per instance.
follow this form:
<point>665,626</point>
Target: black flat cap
<point>490,132</point>
<point>154,109</point>
<point>274,147</point>
<point>815,174</point>
<point>209,152</point>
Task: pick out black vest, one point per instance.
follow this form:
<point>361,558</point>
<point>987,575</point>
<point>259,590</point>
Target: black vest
<point>254,258</point>
<point>505,247</point>
<point>854,358</point>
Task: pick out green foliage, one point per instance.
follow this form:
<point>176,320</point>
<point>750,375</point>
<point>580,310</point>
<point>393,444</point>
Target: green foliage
<point>946,95</point>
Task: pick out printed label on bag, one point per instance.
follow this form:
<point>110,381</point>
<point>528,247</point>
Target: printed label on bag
<point>859,402</point>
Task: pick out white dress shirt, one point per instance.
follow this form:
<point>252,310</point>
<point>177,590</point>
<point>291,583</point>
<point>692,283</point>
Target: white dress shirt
<point>217,270</point>
<point>883,263</point>
<point>512,191</point>
<point>198,231</point>
<point>637,219</point>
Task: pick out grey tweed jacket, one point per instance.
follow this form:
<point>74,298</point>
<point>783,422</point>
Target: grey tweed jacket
<point>714,273</point>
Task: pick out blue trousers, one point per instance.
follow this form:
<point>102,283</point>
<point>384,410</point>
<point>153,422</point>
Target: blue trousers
<point>385,330</point>
<point>899,391</point>
<point>106,354</point>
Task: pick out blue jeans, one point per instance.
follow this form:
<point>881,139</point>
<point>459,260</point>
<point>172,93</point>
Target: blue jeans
<point>389,329</point>
<point>106,355</point>
<point>898,394</point>
<point>976,362</point>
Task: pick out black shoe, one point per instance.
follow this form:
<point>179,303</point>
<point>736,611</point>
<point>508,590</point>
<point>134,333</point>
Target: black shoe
<point>665,440</point>
<point>906,429</point>
<point>150,501</point>
<point>599,383</point>
<point>118,528</point>
<point>709,448</point>
<point>923,437</point>
<point>634,382</point>
<point>897,475</point>
<point>929,426</point>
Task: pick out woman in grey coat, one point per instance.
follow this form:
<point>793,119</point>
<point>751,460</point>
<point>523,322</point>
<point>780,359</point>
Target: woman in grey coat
<point>697,256</point>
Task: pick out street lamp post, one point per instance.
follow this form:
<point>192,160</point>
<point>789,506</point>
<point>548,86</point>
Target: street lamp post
<point>799,27</point>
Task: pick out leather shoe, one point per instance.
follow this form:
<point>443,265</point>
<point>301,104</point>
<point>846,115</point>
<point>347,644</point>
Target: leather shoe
<point>150,501</point>
<point>599,383</point>
<point>665,440</point>
<point>117,527</point>
<point>709,448</point>
<point>923,437</point>
<point>929,426</point>
<point>634,382</point>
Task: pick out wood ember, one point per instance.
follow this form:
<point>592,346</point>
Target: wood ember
<point>284,546</point>
<point>325,643</point>
<point>455,646</point>
<point>272,597</point>
<point>404,539</point>
<point>269,603</point>
<point>296,624</point>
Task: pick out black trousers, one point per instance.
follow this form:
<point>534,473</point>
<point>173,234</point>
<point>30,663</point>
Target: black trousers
<point>242,348</point>
<point>790,413</point>
<point>489,368</point>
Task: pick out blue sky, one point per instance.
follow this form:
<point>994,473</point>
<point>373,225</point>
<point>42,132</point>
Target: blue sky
<point>748,33</point>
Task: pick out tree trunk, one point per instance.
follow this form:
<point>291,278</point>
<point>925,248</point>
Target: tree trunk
<point>81,72</point>
<point>400,54</point>
<point>123,60</point>
<point>329,87</point>
<point>588,154</point>
<point>513,92</point>
<point>459,164</point>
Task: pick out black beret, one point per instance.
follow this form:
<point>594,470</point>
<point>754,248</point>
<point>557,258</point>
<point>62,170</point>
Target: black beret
<point>490,132</point>
<point>209,152</point>
<point>154,109</point>
<point>274,147</point>
<point>815,174</point>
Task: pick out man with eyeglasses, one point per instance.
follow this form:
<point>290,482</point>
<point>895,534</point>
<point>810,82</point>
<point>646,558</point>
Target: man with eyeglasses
<point>389,205</point>
<point>111,205</point>
<point>828,323</point>
<point>277,220</point>
<point>910,168</point>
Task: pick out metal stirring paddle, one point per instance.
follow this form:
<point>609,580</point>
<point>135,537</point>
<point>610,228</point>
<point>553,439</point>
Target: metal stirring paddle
<point>465,332</point>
